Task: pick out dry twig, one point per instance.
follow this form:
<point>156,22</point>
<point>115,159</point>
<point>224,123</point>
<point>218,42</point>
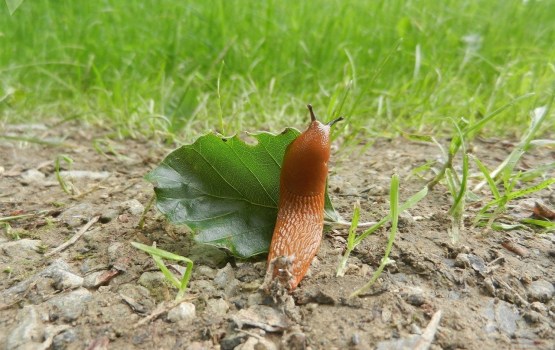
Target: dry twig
<point>75,237</point>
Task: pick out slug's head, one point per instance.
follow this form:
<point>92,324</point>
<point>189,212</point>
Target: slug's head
<point>305,166</point>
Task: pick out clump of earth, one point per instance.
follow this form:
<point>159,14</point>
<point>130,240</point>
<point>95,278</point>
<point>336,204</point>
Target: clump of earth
<point>492,289</point>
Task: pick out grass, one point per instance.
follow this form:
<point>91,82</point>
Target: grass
<point>157,254</point>
<point>394,213</point>
<point>179,68</point>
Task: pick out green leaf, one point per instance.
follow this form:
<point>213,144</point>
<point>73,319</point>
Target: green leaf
<point>225,190</point>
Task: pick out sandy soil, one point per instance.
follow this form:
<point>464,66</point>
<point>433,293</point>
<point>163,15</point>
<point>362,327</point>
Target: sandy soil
<point>494,289</point>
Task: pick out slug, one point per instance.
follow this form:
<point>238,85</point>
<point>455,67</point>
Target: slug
<point>300,220</point>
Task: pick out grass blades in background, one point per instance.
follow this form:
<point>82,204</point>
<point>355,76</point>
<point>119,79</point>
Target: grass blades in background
<point>144,68</point>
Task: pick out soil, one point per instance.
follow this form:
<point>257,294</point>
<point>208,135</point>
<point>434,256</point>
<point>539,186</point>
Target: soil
<point>495,289</point>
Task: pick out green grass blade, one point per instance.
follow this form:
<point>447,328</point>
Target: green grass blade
<point>486,173</point>
<point>394,213</point>
<point>157,255</point>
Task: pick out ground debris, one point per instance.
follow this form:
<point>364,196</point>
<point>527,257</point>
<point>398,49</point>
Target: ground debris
<point>263,317</point>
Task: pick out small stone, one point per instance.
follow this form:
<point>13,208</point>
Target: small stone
<point>416,299</point>
<point>364,270</point>
<point>63,339</point>
<point>230,342</point>
<point>115,252</point>
<point>182,312</point>
<point>133,206</point>
<point>539,307</point>
<point>109,215</point>
<point>255,299</point>
<point>204,287</point>
<point>99,278</point>
<point>22,248</point>
<point>232,288</point>
<point>533,317</point>
<point>251,286</point>
<point>217,307</point>
<point>32,176</point>
<point>263,317</point>
<point>205,271</point>
<point>152,279</point>
<point>406,219</point>
<point>77,215</point>
<point>137,297</point>
<point>28,331</point>
<point>66,280</point>
<point>462,260</point>
<point>541,290</point>
<point>224,276</point>
<point>69,306</point>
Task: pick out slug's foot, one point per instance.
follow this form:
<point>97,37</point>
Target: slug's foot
<point>279,277</point>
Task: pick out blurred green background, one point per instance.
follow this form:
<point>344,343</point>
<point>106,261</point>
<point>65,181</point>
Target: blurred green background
<point>185,67</point>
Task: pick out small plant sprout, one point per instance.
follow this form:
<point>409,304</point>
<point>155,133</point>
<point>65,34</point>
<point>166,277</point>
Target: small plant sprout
<point>502,182</point>
<point>353,239</point>
<point>159,254</point>
<point>394,215</point>
<point>66,186</point>
<point>458,189</point>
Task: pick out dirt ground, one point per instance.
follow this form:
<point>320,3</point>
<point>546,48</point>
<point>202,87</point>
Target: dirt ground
<point>495,290</point>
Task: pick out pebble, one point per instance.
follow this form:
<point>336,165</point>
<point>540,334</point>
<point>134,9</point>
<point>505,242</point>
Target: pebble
<point>205,271</point>
<point>500,316</point>
<point>217,307</point>
<point>99,278</point>
<point>232,289</point>
<point>137,297</point>
<point>115,252</point>
<point>416,299</point>
<point>255,299</point>
<point>204,287</point>
<point>22,286</point>
<point>539,307</point>
<point>533,317</point>
<point>66,280</point>
<point>77,215</point>
<point>109,215</point>
<point>263,317</point>
<point>63,339</point>
<point>541,290</point>
<point>133,206</point>
<point>152,279</point>
<point>203,254</point>
<point>69,306</point>
<point>224,276</point>
<point>32,176</point>
<point>406,219</point>
<point>183,312</point>
<point>28,331</point>
<point>232,341</point>
<point>23,249</point>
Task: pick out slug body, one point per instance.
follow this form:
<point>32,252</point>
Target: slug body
<point>300,221</point>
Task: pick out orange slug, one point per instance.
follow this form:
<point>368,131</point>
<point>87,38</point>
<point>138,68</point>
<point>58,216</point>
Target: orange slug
<point>300,220</point>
